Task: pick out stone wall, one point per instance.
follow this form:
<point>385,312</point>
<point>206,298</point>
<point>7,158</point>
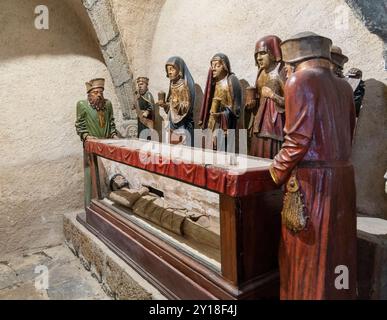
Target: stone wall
<point>116,278</point>
<point>197,30</point>
<point>42,75</point>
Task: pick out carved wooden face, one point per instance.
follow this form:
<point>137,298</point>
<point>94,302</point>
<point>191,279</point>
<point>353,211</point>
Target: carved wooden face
<point>95,96</point>
<point>120,182</point>
<point>264,59</point>
<point>289,69</point>
<point>337,70</point>
<point>142,86</point>
<point>218,71</point>
<point>173,73</point>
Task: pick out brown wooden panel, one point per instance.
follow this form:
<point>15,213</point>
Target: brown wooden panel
<point>228,238</point>
<point>94,173</point>
<point>260,233</point>
<point>250,232</point>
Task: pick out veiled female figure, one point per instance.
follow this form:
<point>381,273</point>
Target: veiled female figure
<point>221,103</point>
<point>180,102</point>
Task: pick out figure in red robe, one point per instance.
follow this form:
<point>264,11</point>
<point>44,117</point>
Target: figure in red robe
<point>317,253</point>
<point>267,118</point>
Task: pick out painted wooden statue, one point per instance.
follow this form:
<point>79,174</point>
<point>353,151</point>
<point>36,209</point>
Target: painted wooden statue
<point>338,61</point>
<point>319,211</point>
<point>180,102</point>
<point>354,78</point>
<point>145,106</point>
<point>221,102</point>
<point>95,120</point>
<point>267,107</point>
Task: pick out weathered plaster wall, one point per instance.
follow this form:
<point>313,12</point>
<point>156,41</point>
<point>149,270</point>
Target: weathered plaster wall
<point>137,22</point>
<point>42,75</point>
<point>196,30</point>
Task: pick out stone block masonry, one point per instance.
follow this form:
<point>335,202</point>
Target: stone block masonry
<point>117,279</point>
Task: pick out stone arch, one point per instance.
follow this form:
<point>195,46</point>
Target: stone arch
<point>114,51</point>
<point>373,15</point>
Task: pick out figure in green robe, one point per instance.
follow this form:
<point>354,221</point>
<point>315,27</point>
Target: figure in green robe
<point>95,120</point>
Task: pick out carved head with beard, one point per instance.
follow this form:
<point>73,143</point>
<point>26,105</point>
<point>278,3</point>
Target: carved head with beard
<point>96,99</point>
<point>95,88</point>
<point>95,96</point>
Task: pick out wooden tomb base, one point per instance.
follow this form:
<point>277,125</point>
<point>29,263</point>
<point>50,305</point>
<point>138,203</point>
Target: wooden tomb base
<point>246,264</point>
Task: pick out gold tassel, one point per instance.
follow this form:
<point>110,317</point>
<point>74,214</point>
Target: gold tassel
<point>101,117</point>
<point>293,211</point>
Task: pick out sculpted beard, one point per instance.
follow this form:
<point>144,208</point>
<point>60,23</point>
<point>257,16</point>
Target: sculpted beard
<point>97,101</point>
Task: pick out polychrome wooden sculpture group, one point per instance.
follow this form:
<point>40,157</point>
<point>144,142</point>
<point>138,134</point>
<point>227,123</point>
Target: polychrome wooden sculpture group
<point>302,115</point>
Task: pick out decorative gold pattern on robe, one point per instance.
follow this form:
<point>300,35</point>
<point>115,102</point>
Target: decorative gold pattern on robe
<point>222,98</point>
<point>222,92</point>
<point>101,118</point>
<point>179,101</point>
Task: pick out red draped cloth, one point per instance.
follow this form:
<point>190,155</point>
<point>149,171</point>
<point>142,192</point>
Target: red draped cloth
<point>320,120</point>
<point>267,134</point>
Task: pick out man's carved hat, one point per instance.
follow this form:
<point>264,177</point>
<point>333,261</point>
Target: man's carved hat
<point>337,56</point>
<point>95,83</point>
<point>142,79</point>
<point>304,46</point>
